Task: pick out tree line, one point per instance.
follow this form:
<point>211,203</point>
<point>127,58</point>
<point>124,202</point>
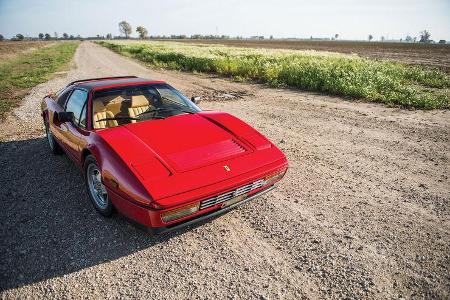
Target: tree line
<point>424,37</point>
<point>43,36</point>
<point>126,29</point>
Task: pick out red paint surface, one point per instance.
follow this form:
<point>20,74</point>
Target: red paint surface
<point>165,164</point>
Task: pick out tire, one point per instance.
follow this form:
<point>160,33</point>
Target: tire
<point>53,145</point>
<point>95,188</point>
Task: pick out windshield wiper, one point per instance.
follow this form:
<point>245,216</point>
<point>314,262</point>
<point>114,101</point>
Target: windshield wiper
<point>162,109</point>
<point>117,118</point>
<point>185,111</point>
<point>153,111</point>
<point>127,118</point>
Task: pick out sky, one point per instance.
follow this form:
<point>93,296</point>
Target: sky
<point>351,19</point>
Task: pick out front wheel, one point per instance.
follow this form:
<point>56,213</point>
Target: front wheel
<point>95,187</point>
<point>54,147</point>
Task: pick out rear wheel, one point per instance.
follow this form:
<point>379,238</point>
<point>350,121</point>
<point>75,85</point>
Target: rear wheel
<point>95,187</point>
<point>54,147</point>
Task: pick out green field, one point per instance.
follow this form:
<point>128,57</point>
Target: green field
<point>26,70</point>
<point>392,83</point>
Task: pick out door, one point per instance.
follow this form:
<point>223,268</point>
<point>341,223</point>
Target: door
<point>61,99</point>
<point>73,133</point>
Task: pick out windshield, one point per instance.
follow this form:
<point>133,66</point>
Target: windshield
<point>131,104</point>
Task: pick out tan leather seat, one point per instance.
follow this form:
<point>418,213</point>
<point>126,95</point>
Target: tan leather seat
<point>100,113</point>
<point>139,104</point>
<point>114,104</point>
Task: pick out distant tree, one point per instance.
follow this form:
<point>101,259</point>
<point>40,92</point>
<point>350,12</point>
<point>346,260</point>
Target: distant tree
<point>142,32</point>
<point>408,39</point>
<point>98,36</point>
<point>41,36</point>
<point>71,37</point>
<point>47,36</point>
<point>382,38</point>
<point>336,36</point>
<point>125,28</point>
<point>271,37</point>
<point>370,37</point>
<point>1,37</point>
<point>415,39</point>
<point>425,36</point>
<point>56,35</point>
<point>109,36</point>
<point>65,36</point>
<point>19,36</point>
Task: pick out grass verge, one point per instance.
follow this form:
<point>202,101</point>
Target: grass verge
<point>392,83</point>
<point>20,74</point>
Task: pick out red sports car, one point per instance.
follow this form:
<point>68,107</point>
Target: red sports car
<point>150,153</point>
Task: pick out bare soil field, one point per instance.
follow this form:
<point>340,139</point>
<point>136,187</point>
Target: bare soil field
<point>363,212</point>
<point>9,49</point>
<point>433,55</point>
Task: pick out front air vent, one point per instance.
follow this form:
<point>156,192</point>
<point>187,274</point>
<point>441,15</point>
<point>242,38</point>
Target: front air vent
<point>231,194</point>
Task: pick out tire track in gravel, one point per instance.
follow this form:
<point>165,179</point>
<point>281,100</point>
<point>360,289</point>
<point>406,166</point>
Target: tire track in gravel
<point>362,213</point>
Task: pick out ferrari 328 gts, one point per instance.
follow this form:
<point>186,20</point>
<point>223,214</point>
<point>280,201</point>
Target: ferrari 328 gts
<point>150,153</point>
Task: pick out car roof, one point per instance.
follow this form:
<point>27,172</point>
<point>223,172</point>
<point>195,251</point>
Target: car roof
<point>94,83</point>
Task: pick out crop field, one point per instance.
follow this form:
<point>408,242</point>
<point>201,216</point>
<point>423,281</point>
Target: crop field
<point>26,64</point>
<point>436,55</point>
<point>354,77</point>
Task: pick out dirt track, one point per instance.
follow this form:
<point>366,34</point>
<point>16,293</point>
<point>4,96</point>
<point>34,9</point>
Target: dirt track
<point>363,212</point>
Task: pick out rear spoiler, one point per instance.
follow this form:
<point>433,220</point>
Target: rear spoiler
<point>100,78</point>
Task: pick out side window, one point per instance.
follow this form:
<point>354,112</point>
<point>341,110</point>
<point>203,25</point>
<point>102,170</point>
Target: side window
<point>83,116</point>
<point>76,103</point>
<point>62,97</point>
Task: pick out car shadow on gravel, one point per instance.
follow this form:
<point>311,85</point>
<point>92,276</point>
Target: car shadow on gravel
<point>48,226</point>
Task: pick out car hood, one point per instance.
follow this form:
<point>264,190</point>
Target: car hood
<point>186,142</point>
<point>185,152</point>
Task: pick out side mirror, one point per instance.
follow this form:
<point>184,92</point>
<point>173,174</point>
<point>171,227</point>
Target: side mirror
<point>196,99</point>
<point>65,116</point>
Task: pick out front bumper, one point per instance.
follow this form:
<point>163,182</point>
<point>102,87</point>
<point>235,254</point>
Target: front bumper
<point>144,216</point>
<point>208,215</point>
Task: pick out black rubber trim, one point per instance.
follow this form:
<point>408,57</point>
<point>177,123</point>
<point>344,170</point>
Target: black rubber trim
<point>101,78</point>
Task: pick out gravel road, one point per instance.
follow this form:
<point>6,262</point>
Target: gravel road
<point>363,212</point>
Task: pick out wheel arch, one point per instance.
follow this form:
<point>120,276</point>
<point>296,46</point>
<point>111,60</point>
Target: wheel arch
<point>44,115</point>
<point>116,173</point>
<point>85,154</point>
